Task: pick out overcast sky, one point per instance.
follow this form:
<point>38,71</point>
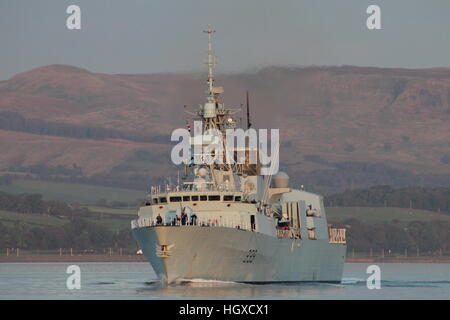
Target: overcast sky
<point>147,36</point>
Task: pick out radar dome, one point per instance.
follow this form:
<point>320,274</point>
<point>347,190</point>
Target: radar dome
<point>202,172</point>
<point>280,180</point>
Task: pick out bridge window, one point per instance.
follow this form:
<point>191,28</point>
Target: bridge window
<point>175,199</point>
<point>203,198</point>
<point>155,200</point>
<point>237,198</point>
<point>214,198</point>
<point>194,198</point>
<point>163,200</point>
<point>228,198</point>
<point>186,198</point>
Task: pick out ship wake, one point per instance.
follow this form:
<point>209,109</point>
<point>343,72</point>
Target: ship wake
<point>207,282</point>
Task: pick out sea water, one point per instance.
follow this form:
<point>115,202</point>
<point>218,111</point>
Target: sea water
<point>136,280</point>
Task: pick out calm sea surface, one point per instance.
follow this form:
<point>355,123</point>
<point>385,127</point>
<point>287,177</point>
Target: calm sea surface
<point>137,281</point>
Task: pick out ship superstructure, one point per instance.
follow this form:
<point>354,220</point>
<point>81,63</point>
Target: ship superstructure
<point>228,222</point>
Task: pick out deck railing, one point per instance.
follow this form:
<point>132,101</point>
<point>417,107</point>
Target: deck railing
<point>336,235</point>
<point>283,233</point>
<point>192,187</point>
<point>147,222</point>
<point>288,233</point>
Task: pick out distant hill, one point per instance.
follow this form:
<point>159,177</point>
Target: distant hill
<point>340,127</point>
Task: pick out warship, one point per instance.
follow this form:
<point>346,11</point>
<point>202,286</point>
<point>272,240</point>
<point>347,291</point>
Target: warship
<point>229,222</point>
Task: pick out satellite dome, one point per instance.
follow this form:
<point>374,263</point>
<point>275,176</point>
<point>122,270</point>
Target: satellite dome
<point>202,172</point>
<point>281,180</point>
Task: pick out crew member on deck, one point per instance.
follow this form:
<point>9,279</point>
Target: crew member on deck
<point>194,219</point>
<point>183,216</point>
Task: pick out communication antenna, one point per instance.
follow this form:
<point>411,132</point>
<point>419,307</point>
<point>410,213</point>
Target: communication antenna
<point>211,61</point>
<point>248,111</point>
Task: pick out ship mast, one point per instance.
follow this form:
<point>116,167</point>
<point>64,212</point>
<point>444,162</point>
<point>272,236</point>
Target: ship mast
<point>211,63</point>
<point>214,115</point>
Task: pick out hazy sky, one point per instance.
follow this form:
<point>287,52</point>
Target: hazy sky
<point>146,36</point>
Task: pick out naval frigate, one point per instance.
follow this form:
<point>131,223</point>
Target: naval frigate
<point>231,223</point>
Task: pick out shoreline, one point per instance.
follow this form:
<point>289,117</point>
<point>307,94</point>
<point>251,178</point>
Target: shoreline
<point>74,258</point>
<point>141,258</point>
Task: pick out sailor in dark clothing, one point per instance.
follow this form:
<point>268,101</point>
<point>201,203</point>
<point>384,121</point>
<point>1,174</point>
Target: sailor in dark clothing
<point>159,219</point>
<point>183,216</point>
<point>194,219</point>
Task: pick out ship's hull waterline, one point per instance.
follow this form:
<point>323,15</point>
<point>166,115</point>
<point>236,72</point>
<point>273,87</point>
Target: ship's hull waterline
<point>230,254</point>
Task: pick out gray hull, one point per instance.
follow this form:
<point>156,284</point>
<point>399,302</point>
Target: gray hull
<point>227,254</point>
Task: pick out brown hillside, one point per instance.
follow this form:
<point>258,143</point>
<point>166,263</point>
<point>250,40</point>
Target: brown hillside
<point>399,118</point>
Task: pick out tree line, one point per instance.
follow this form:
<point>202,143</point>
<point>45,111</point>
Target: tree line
<point>13,121</point>
<point>139,182</point>
<point>78,233</point>
<point>34,204</point>
<point>44,170</point>
<point>435,199</point>
<point>335,177</point>
<point>427,237</point>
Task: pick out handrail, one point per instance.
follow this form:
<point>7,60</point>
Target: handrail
<point>288,233</point>
<point>147,222</point>
<point>191,187</point>
<point>283,233</point>
<point>336,235</point>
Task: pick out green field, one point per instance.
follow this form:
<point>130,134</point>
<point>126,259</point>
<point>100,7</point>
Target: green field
<point>114,211</point>
<point>72,192</point>
<point>10,218</point>
<point>383,214</point>
<point>114,224</point>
